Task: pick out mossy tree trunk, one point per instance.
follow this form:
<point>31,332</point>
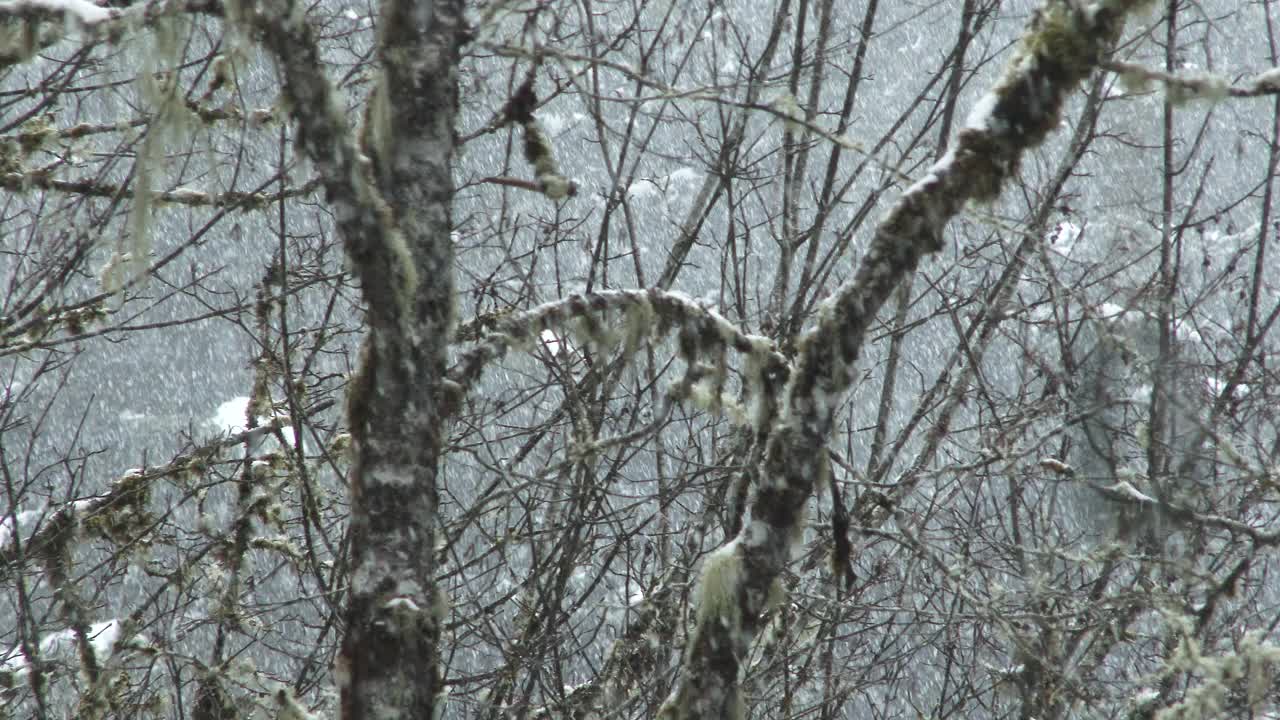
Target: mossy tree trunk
<point>392,192</point>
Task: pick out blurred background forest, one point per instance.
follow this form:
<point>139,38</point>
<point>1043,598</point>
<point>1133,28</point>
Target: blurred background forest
<point>1059,469</point>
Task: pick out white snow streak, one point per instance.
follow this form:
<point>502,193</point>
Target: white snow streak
<point>84,11</point>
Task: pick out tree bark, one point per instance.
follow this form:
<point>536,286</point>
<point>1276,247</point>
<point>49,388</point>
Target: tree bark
<point>392,193</point>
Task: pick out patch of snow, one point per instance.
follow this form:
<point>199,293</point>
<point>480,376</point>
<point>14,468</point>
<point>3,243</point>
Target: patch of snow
<point>82,10</point>
<point>643,188</point>
<point>1063,237</point>
<point>938,168</point>
<point>1141,395</point>
<point>1216,385</point>
<point>230,418</point>
<point>102,636</point>
<point>1111,311</point>
<point>981,115</point>
<point>554,344</point>
<point>1185,333</point>
<point>1127,490</point>
<point>555,123</point>
<point>402,603</point>
<point>1056,465</point>
<point>1269,80</point>
<point>26,520</point>
<point>685,174</point>
<point>1119,315</point>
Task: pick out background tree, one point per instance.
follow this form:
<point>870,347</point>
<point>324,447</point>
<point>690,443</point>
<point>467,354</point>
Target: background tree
<point>609,447</point>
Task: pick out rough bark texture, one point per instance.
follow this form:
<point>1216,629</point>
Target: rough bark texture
<point>392,196</point>
<point>1060,48</point>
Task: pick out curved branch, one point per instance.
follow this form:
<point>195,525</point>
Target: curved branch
<point>647,312</point>
<point>1059,49</point>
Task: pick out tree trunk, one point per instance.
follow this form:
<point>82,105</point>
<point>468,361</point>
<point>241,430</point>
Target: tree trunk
<point>392,192</point>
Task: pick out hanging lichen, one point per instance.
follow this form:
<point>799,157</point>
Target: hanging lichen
<point>537,146</point>
<point>170,121</point>
<point>717,593</point>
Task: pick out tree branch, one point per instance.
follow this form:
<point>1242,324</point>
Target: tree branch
<point>1059,49</point>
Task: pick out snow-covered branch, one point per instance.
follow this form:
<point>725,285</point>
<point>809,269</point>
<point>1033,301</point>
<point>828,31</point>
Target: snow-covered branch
<point>82,11</point>
<point>1124,491</point>
<point>610,318</point>
<point>40,180</point>
<point>46,22</point>
<point>124,504</point>
<point>1186,86</point>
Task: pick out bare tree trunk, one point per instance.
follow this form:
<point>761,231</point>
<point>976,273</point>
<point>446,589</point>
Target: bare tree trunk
<point>393,193</point>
